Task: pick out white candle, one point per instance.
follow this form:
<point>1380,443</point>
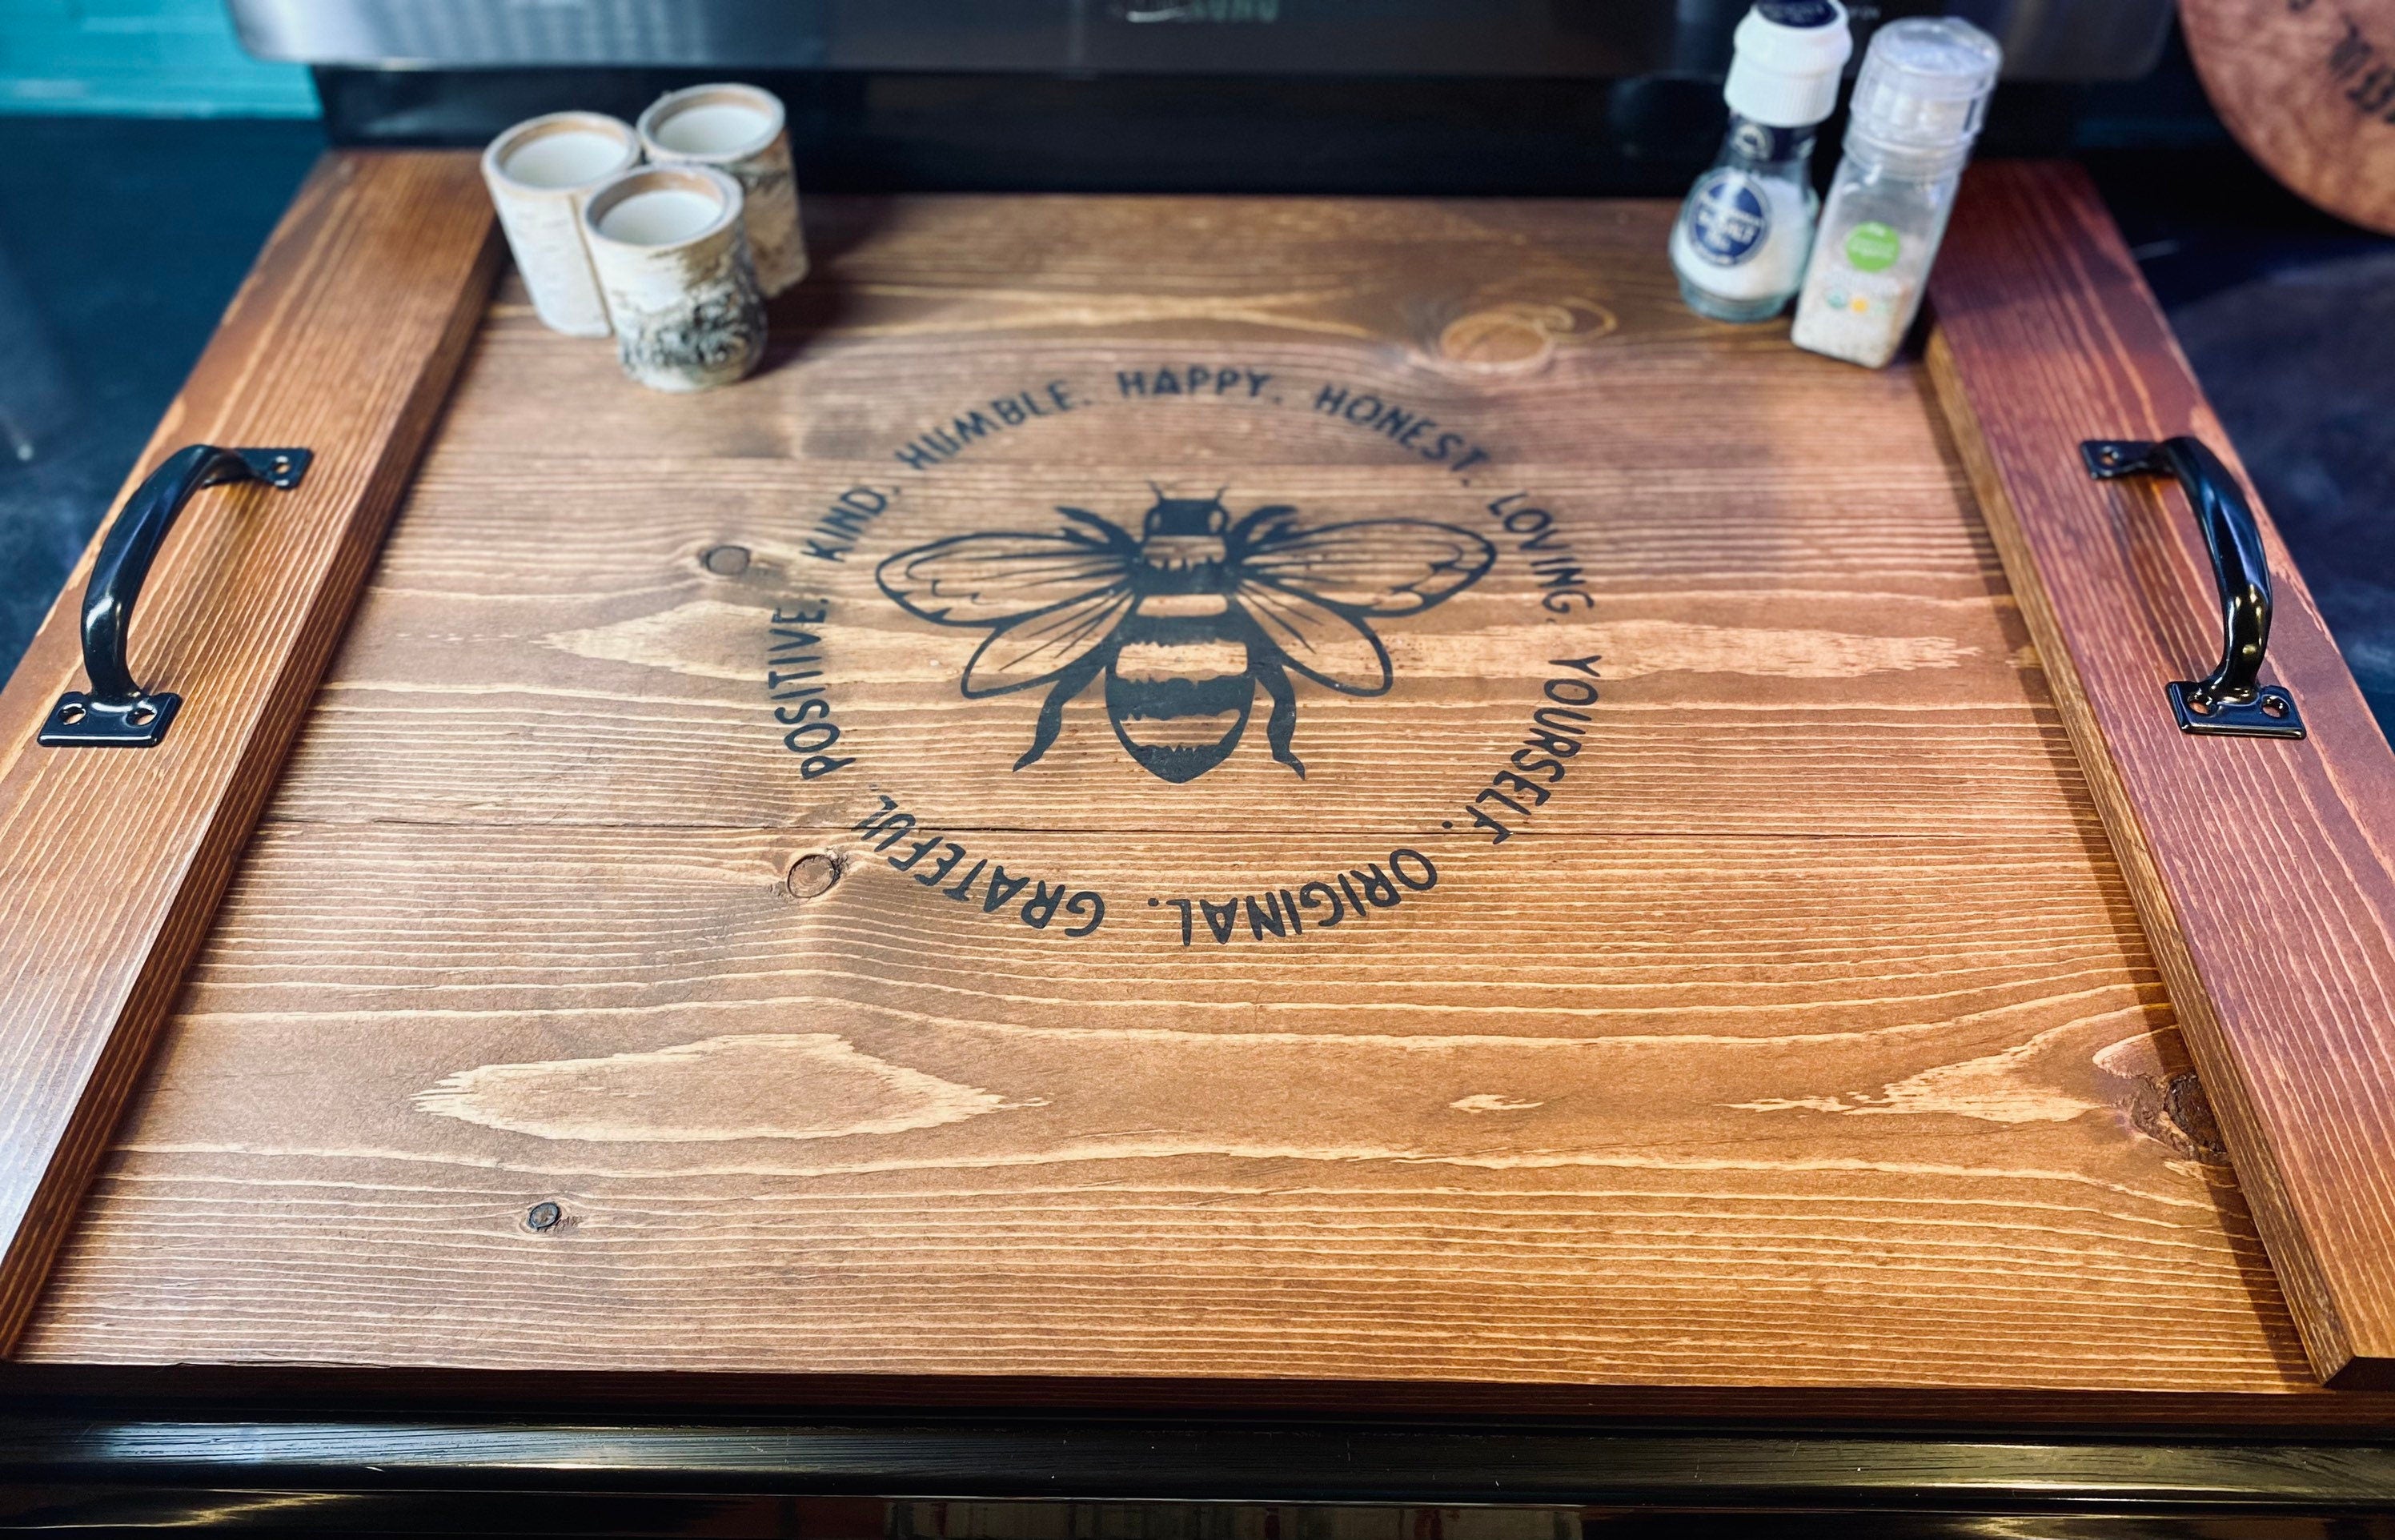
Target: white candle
<point>715,128</point>
<point>660,217</point>
<point>540,174</point>
<point>672,257</point>
<point>567,158</point>
<point>737,129</point>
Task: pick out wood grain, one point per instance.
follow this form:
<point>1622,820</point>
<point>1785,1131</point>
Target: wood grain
<point>1807,1047</point>
<point>1750,1132</point>
<point>2309,91</point>
<point>627,678</point>
<point>1705,523</point>
<point>344,338</point>
<point>2261,867</point>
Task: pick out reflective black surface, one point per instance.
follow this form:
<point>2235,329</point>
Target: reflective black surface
<point>116,712</point>
<point>2043,39</point>
<point>2231,701</point>
<point>121,241</point>
<point>960,1478</point>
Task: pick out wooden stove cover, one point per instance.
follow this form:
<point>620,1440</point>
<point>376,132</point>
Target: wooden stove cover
<point>1691,956</point>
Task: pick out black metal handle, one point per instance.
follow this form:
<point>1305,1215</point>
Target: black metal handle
<point>2232,699</point>
<point>117,712</point>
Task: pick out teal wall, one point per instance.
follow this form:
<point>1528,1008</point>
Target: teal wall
<point>150,57</point>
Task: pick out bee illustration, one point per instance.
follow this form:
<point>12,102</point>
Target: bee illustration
<point>1186,619</point>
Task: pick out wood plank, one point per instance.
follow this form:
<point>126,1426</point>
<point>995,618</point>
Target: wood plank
<point>1805,1053</point>
<point>1747,1133</point>
<point>2265,869</point>
<point>558,651</point>
<point>344,340</point>
<point>549,648</point>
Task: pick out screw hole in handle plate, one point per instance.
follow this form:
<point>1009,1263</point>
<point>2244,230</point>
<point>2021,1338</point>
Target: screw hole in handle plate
<point>116,712</point>
<point>2231,701</point>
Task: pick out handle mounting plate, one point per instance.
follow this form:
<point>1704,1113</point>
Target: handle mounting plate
<point>116,712</point>
<point>2107,458</point>
<point>280,468</point>
<point>2271,712</point>
<point>81,721</point>
<point>2233,701</point>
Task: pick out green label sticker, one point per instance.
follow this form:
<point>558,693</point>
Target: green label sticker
<point>1872,246</point>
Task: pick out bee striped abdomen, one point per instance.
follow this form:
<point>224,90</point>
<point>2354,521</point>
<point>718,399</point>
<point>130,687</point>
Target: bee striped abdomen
<point>1178,688</point>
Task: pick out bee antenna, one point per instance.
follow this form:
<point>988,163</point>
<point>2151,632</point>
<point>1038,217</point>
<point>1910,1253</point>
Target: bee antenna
<point>1153,485</point>
<point>1220,490</point>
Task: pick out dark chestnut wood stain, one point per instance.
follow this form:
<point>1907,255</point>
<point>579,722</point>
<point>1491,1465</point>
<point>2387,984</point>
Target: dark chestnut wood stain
<point>1801,1057</point>
<point>2261,867</point>
<point>344,338</point>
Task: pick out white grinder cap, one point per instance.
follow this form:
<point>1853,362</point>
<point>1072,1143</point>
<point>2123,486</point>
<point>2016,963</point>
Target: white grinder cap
<point>1788,53</point>
<point>1925,84</point>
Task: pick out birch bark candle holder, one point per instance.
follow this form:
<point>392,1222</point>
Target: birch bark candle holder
<point>739,130</point>
<point>542,173</point>
<point>673,259</point>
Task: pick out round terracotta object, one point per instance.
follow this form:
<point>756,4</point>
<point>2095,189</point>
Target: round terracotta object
<point>2309,88</point>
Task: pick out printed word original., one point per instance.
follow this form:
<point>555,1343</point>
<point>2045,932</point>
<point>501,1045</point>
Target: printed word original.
<point>1321,905</point>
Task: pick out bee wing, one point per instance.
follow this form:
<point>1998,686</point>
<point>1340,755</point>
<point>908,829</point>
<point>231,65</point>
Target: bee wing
<point>989,579</point>
<point>1327,645</point>
<point>1377,567</point>
<point>1038,647</point>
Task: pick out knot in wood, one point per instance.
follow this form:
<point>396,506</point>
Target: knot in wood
<point>1518,335</point>
<point>812,875</point>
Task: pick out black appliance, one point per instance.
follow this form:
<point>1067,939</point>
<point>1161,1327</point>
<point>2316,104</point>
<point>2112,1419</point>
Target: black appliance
<point>1355,95</point>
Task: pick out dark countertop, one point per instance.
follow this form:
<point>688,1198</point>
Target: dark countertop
<point>121,240</point>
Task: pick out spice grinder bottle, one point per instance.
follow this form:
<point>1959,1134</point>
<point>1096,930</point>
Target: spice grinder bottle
<point>1917,108</point>
<point>1740,243</point>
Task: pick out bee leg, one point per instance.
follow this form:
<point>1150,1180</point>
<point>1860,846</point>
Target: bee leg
<point>1072,681</point>
<point>1282,725</point>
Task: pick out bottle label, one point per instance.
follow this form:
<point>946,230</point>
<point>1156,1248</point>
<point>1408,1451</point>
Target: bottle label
<point>1872,247</point>
<point>1729,218</point>
<point>1880,298</point>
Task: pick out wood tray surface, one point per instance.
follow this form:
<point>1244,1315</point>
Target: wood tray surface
<point>1804,1040</point>
<point>345,338</point>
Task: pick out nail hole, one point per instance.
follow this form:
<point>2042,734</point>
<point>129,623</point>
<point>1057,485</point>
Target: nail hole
<point>71,713</point>
<point>2274,705</point>
<point>725,560</point>
<point>812,876</point>
<point>2200,705</point>
<point>141,716</point>
<point>543,1217</point>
